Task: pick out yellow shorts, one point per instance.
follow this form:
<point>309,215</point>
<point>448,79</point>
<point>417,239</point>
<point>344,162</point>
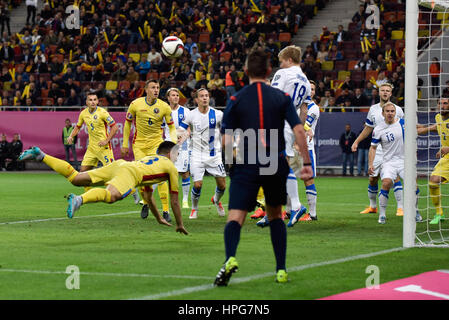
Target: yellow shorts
<point>93,155</point>
<point>118,174</point>
<point>140,153</point>
<point>442,168</point>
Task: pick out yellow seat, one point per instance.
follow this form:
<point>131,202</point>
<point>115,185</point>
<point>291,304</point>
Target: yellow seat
<point>343,74</point>
<point>111,85</point>
<point>397,35</point>
<point>135,56</point>
<point>327,65</point>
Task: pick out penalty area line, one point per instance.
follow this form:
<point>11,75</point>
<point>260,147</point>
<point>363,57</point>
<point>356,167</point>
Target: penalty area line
<point>82,217</point>
<point>111,274</point>
<point>265,275</point>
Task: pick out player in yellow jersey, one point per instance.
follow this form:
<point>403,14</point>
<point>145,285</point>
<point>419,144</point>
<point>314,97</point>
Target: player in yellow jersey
<point>440,172</point>
<point>148,114</point>
<point>120,177</point>
<point>96,120</point>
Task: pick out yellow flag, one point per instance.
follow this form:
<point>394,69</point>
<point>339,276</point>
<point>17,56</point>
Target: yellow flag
<point>12,72</point>
<point>200,23</point>
<point>209,27</point>
<point>158,9</point>
<point>160,37</point>
<point>64,69</point>
<point>70,55</point>
<point>26,91</point>
<point>20,38</point>
<point>209,65</point>
<point>100,56</point>
<point>106,37</point>
<point>254,8</point>
<point>141,33</point>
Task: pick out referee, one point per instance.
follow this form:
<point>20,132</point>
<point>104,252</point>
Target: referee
<point>259,108</point>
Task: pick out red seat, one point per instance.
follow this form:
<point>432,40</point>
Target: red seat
<point>340,65</point>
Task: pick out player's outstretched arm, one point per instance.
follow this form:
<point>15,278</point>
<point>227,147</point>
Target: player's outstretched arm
<point>300,137</point>
<point>75,131</point>
<point>422,129</point>
<point>362,136</point>
<point>111,135</point>
<point>174,201</point>
<point>148,196</point>
<point>125,143</point>
<point>371,156</point>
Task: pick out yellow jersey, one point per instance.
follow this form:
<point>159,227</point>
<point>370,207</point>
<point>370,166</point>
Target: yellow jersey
<point>155,169</point>
<point>443,130</point>
<point>97,124</point>
<point>148,119</point>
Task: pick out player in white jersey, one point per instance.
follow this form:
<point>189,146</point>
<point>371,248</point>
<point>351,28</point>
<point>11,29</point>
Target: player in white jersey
<point>182,164</point>
<point>373,118</point>
<point>313,114</point>
<point>389,134</point>
<point>293,81</point>
<point>205,122</point>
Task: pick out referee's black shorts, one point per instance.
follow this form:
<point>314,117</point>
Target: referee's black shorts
<point>246,181</point>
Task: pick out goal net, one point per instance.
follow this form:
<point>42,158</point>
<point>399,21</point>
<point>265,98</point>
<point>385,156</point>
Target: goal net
<point>431,68</point>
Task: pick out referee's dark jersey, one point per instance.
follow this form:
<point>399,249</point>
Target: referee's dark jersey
<point>259,106</point>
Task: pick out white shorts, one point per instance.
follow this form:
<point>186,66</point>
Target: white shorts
<point>392,169</point>
<point>313,161</point>
<point>289,141</point>
<point>214,166</point>
<point>377,164</point>
<point>183,161</point>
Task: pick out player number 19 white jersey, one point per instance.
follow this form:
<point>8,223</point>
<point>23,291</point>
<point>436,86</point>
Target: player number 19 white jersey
<point>205,128</point>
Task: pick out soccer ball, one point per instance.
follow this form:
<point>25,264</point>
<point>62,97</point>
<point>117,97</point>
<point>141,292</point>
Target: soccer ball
<point>172,47</point>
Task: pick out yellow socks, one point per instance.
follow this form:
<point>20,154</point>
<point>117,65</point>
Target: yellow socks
<point>96,195</point>
<point>60,166</point>
<point>163,195</point>
<point>435,196</point>
<point>261,198</point>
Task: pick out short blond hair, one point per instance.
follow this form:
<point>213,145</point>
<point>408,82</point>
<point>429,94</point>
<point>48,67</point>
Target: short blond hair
<point>387,84</point>
<point>388,103</point>
<point>292,52</point>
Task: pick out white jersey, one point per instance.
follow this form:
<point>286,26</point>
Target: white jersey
<point>313,114</point>
<point>179,115</point>
<point>375,117</point>
<point>294,82</point>
<point>205,131</point>
<point>391,138</point>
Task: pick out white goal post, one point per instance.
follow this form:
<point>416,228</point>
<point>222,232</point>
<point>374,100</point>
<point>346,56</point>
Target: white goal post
<point>426,38</point>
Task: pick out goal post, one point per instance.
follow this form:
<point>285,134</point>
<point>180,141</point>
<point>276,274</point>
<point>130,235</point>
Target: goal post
<point>410,117</point>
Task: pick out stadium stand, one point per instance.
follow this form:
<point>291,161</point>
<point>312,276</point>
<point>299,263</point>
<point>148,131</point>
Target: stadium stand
<point>114,36</point>
<point>365,54</point>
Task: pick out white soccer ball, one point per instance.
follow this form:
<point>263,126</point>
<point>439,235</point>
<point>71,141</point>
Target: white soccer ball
<point>172,47</point>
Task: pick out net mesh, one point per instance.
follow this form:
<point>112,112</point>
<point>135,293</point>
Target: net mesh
<point>433,73</point>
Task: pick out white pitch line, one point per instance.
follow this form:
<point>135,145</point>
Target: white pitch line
<point>111,274</point>
<point>264,275</point>
<point>82,217</point>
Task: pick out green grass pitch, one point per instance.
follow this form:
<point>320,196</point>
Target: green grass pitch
<point>121,256</point>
